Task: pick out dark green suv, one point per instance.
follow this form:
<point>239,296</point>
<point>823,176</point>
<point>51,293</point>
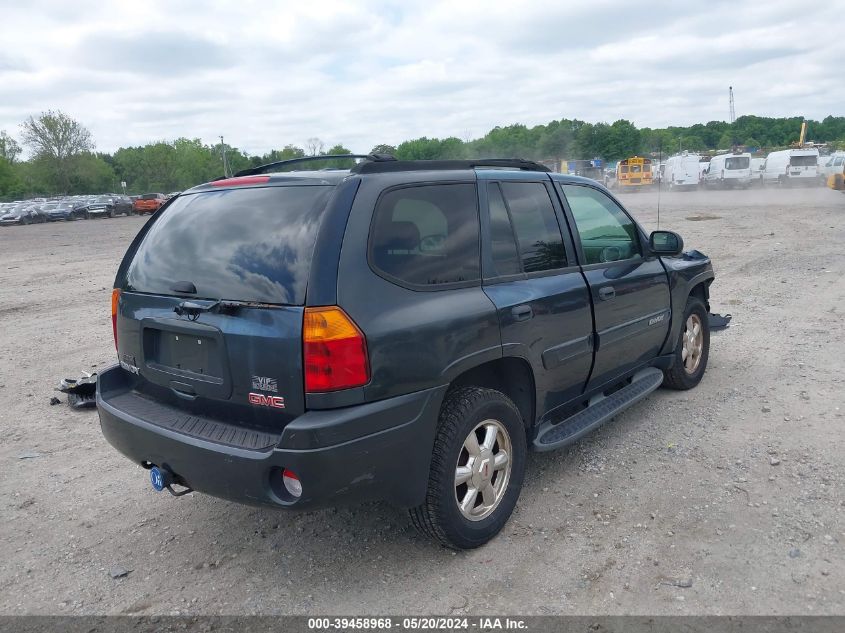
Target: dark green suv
<point>399,330</point>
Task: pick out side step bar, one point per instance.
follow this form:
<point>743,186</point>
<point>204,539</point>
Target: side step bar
<point>601,409</point>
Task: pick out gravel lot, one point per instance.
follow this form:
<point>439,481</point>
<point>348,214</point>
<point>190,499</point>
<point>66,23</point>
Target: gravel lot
<point>727,499</point>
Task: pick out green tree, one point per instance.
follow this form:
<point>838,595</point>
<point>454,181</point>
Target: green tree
<point>9,148</point>
<point>337,163</point>
<point>11,186</point>
<point>89,173</point>
<point>383,148</point>
<point>623,140</point>
<point>54,139</point>
<point>419,149</point>
<point>726,141</point>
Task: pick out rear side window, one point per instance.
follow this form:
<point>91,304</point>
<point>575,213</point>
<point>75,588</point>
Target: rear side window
<point>503,244</point>
<point>535,225</point>
<point>427,235</point>
<point>235,244</point>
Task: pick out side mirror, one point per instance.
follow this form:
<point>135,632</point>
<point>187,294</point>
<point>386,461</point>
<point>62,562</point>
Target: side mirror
<point>666,243</point>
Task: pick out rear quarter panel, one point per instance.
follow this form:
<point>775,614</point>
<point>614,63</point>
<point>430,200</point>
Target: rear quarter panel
<point>416,338</point>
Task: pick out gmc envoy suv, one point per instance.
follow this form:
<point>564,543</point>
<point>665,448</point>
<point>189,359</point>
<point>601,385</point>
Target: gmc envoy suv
<point>400,330</point>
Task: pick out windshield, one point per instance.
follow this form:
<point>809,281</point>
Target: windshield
<point>236,244</point>
<point>737,162</point>
<point>150,196</point>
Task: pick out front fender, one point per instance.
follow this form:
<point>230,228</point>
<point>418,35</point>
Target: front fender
<point>687,271</point>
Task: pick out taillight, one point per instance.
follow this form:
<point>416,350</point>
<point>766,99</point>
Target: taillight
<point>334,351</point>
<point>115,299</point>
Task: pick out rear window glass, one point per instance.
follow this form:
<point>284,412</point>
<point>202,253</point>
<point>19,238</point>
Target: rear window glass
<point>236,244</point>
<point>803,161</point>
<point>150,196</point>
<point>427,234</point>
<point>737,162</point>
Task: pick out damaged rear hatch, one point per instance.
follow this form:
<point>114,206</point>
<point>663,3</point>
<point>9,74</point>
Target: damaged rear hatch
<point>210,310</point>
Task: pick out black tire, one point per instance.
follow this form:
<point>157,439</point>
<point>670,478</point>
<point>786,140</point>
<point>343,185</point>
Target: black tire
<point>439,516</point>
<point>677,376</point>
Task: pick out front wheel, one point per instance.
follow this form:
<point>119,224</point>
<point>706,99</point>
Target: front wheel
<point>477,469</point>
<point>692,350</point>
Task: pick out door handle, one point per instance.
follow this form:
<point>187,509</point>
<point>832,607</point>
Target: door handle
<point>522,313</point>
<point>607,293</point>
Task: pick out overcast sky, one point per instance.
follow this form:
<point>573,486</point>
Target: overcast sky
<point>266,74</point>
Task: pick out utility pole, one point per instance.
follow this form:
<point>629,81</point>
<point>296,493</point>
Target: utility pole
<point>731,97</point>
<point>225,164</point>
<point>733,116</point>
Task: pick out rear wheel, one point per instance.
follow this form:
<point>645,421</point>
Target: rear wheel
<point>692,350</point>
<point>477,469</point>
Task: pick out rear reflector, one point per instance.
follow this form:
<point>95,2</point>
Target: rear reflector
<point>115,300</point>
<point>242,180</point>
<point>334,351</point>
<point>292,483</point>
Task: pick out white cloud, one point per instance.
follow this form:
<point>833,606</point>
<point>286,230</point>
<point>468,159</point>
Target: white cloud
<point>268,74</point>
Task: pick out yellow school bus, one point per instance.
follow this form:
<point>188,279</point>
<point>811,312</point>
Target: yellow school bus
<point>634,172</point>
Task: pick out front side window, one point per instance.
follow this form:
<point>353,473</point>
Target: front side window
<point>427,235</point>
<point>607,233</point>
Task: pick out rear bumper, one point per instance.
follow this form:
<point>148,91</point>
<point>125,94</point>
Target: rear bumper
<point>378,450</point>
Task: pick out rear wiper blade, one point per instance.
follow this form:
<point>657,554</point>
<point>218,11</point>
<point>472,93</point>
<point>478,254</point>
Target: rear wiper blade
<point>193,310</point>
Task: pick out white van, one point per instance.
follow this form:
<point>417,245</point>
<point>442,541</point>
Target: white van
<point>682,170</point>
<point>830,165</point>
<point>792,166</point>
<point>728,170</point>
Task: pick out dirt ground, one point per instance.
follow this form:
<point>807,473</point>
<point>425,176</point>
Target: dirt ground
<point>727,499</point>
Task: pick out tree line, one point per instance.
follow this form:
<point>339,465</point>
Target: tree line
<point>63,159</point>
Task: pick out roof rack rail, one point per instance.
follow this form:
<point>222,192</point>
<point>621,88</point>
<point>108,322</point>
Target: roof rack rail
<point>305,159</point>
<point>373,167</point>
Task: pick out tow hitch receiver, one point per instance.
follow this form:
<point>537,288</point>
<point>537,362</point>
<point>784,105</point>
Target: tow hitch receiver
<point>162,478</point>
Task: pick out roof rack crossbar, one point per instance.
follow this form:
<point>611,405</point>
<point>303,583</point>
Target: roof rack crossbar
<point>305,159</point>
<point>422,165</point>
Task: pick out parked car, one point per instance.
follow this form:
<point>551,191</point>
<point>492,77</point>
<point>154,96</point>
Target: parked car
<point>149,203</point>
<point>25,213</point>
<point>62,211</point>
<point>108,206</point>
<point>404,330</point>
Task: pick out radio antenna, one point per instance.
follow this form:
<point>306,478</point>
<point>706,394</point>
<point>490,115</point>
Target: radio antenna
<point>659,177</point>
